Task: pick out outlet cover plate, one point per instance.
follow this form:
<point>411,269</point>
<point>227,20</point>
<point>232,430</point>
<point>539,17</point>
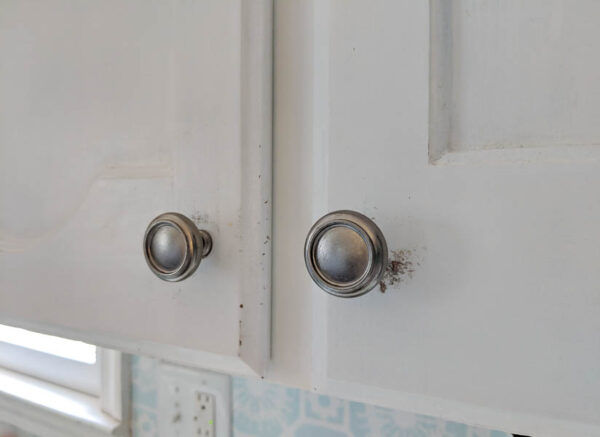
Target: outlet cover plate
<point>179,388</point>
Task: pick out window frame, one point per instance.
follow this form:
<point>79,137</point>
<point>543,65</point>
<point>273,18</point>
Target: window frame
<point>72,374</point>
<point>58,411</point>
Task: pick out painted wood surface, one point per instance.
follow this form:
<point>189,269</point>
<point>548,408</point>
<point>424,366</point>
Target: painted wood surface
<point>398,109</point>
<point>492,318</point>
<point>114,112</point>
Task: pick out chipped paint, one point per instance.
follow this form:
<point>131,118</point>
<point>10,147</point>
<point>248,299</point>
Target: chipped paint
<point>401,267</point>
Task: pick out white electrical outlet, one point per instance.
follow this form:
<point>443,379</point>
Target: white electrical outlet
<point>204,414</point>
<point>193,403</point>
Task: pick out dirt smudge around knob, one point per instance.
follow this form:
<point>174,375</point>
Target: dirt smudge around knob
<point>200,219</point>
<point>401,267</point>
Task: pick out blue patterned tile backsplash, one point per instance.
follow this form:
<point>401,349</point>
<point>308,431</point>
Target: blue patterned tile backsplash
<point>262,409</point>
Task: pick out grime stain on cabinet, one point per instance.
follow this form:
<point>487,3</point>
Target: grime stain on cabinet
<point>401,266</point>
<point>200,219</point>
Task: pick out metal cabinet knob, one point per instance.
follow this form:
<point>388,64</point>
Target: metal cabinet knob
<point>345,253</point>
<point>174,246</point>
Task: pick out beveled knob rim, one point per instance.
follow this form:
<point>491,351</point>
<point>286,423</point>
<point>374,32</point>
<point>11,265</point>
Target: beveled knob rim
<point>374,241</point>
<point>198,246</point>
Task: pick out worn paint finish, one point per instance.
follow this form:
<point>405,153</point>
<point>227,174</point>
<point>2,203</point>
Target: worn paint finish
<point>400,268</point>
<point>495,326</point>
<point>166,106</point>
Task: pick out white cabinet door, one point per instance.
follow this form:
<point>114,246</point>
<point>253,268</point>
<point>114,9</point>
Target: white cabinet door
<point>468,130</point>
<point>113,112</point>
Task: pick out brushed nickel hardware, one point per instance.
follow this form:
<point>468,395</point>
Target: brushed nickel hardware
<point>345,253</point>
<point>174,246</point>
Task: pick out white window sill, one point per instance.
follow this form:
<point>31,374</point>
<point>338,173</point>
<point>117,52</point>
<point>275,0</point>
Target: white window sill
<point>49,410</point>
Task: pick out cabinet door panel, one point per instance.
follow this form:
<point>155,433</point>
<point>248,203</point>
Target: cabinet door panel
<point>467,130</point>
<point>112,113</point>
